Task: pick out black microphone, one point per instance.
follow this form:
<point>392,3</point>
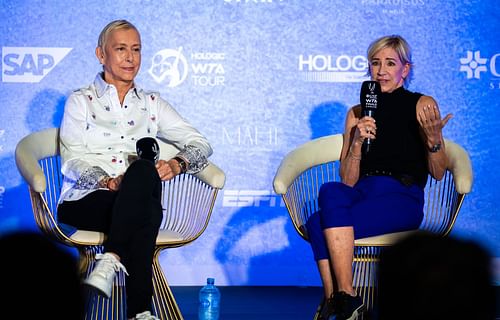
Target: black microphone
<point>369,97</point>
<point>148,149</point>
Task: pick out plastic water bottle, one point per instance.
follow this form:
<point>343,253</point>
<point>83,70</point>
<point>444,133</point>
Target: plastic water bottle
<point>209,301</point>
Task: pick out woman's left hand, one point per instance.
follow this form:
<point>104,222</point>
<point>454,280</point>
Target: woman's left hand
<point>431,123</point>
<point>168,169</point>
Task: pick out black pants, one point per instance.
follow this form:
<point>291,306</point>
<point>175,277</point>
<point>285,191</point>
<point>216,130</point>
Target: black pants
<point>131,218</point>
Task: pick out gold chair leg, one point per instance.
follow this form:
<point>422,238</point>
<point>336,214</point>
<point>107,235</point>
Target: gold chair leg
<point>98,307</point>
<point>164,305</point>
<point>365,277</point>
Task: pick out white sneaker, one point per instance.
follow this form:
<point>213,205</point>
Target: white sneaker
<point>101,278</point>
<point>146,315</point>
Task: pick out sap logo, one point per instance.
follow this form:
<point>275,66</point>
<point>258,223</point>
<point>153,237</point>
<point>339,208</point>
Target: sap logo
<point>473,65</point>
<point>29,64</point>
<point>250,198</point>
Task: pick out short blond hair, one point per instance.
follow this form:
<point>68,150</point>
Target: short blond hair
<point>112,26</point>
<point>399,45</point>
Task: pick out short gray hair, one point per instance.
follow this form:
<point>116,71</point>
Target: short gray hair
<point>112,26</point>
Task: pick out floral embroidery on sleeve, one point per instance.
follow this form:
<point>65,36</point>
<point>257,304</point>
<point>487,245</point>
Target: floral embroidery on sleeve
<point>193,155</point>
<point>89,179</point>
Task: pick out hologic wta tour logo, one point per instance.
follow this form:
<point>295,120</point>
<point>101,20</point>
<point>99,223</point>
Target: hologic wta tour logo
<point>171,66</point>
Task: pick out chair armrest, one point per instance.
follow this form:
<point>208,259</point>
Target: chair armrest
<point>30,149</point>
<point>460,166</point>
<point>309,154</point>
<point>212,175</point>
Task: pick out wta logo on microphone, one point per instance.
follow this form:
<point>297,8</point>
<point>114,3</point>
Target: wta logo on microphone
<point>371,97</point>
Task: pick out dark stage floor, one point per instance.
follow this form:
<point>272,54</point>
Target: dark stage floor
<point>261,303</point>
<point>254,302</point>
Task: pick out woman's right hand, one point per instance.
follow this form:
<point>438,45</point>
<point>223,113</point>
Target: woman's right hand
<point>114,183</point>
<point>366,128</point>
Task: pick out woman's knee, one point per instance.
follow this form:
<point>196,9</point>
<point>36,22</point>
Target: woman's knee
<point>316,238</point>
<point>313,224</point>
<point>330,188</point>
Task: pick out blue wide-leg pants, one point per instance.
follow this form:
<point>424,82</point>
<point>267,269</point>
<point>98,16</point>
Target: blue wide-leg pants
<point>374,205</point>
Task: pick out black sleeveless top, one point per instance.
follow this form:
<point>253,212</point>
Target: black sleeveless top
<point>399,148</point>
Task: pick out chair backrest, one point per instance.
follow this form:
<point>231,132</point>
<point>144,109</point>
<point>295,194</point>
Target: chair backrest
<point>303,171</point>
<point>38,160</point>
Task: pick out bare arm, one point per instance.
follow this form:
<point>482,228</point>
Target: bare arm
<point>356,131</point>
<point>431,126</point>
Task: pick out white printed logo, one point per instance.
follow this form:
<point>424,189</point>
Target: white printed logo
<point>30,64</point>
<point>251,198</point>
<point>473,64</point>
<point>326,68</point>
<point>171,65</point>
<point>255,136</point>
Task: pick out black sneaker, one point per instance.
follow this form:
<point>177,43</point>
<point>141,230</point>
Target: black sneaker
<point>327,309</point>
<point>347,307</point>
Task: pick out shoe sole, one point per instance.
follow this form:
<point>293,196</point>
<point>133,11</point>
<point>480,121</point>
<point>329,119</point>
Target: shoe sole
<point>357,312</point>
<point>319,309</point>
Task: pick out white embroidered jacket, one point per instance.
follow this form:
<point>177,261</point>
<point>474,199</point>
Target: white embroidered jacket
<point>98,135</point>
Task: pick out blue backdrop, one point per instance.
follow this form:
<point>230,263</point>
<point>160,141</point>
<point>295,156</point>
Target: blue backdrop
<point>258,78</point>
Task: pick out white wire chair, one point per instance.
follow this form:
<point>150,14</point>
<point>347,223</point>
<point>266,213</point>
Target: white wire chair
<point>188,201</point>
<point>303,171</point>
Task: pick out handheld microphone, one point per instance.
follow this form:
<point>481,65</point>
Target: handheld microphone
<point>369,97</point>
<point>148,149</point>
